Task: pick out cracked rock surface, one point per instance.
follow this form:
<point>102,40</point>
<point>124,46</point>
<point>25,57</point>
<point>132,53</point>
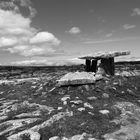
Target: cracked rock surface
<point>32,107</point>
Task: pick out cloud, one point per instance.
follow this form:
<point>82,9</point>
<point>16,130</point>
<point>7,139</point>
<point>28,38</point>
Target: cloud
<point>18,36</point>
<point>101,41</point>
<point>136,12</point>
<point>10,19</point>
<point>109,35</point>
<point>5,5</point>
<point>74,30</point>
<point>109,40</point>
<point>34,50</point>
<point>14,6</point>
<point>48,63</point>
<point>8,41</point>
<point>127,26</point>
<point>43,37</point>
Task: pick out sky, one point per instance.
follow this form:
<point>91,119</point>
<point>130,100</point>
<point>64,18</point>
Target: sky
<point>56,32</point>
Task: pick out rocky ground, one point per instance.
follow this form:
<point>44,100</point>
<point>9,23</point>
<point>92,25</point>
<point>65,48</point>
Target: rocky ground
<point>34,108</point>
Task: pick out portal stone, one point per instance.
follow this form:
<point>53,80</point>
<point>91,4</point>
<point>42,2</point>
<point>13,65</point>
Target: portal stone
<point>94,66</point>
<point>88,65</point>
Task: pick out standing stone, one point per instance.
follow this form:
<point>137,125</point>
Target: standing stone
<point>88,65</point>
<point>108,65</point>
<point>94,66</point>
<point>112,65</point>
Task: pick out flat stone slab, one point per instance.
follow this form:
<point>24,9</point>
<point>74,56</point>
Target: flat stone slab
<point>77,78</point>
<point>105,55</point>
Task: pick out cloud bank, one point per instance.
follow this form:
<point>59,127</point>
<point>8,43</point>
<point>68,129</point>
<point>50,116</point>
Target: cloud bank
<point>18,36</point>
<point>48,63</point>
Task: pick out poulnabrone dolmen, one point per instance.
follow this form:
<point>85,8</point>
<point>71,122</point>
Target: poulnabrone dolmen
<point>93,70</point>
<point>106,62</point>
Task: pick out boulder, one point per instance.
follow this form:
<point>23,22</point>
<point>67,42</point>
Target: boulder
<point>77,78</point>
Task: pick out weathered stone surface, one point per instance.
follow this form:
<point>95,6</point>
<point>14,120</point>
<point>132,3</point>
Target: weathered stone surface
<point>14,124</point>
<point>128,73</point>
<point>31,132</point>
<point>77,78</point>
<point>24,135</point>
<point>129,121</point>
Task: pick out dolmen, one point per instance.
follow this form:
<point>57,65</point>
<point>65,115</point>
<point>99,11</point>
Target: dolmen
<point>106,62</point>
<point>93,70</point>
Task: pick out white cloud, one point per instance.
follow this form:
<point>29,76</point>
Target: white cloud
<point>109,35</point>
<point>10,19</point>
<point>110,40</point>
<point>101,41</point>
<point>127,26</point>
<point>74,30</point>
<point>136,12</point>
<point>46,62</point>
<point>34,50</point>
<point>43,37</point>
<point>8,41</point>
<point>18,36</point>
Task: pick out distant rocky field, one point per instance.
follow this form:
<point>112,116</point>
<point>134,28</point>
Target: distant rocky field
<point>32,107</point>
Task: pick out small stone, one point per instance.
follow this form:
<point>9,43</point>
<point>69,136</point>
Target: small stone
<point>65,98</point>
<point>83,136</point>
<point>115,83</point>
<point>33,87</point>
<point>92,98</point>
<point>65,103</point>
<point>40,88</point>
<point>59,108</point>
<point>54,138</point>
<point>88,105</point>
<point>81,109</point>
<point>77,102</point>
<point>91,113</point>
<point>43,93</point>
<point>104,111</point>
<point>61,92</point>
<point>105,95</point>
<point>114,88</point>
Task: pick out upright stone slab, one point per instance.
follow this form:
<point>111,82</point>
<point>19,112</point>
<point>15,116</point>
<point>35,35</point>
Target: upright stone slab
<point>108,65</point>
<point>88,65</point>
<point>94,65</point>
<point>112,65</point>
